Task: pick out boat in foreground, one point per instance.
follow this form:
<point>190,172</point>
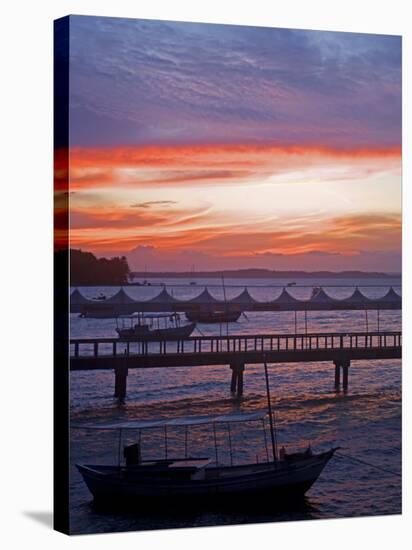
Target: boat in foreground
<point>138,482</point>
<point>194,477</point>
<point>284,478</point>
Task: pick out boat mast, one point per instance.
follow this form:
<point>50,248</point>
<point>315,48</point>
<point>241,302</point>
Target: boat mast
<point>119,449</point>
<point>224,296</point>
<point>272,428</point>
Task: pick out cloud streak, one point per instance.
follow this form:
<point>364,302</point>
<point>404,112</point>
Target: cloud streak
<point>232,144</point>
<point>139,82</point>
<point>219,164</point>
<point>346,235</point>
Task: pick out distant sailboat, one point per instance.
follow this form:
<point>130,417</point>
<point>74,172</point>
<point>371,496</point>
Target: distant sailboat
<point>192,273</point>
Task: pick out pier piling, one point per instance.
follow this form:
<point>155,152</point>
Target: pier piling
<point>120,382</point>
<point>236,384</point>
<point>240,382</point>
<point>337,375</point>
<point>344,364</point>
<point>345,368</point>
<point>233,381</point>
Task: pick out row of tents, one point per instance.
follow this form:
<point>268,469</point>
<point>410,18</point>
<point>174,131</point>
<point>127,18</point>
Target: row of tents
<point>320,300</point>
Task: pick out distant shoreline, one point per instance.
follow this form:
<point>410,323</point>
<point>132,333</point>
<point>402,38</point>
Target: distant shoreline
<point>261,274</point>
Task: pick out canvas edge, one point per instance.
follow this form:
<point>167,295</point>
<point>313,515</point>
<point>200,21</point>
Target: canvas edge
<point>61,447</point>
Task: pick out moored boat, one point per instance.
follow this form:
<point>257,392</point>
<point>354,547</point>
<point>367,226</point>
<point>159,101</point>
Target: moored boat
<point>146,327</point>
<point>208,316</point>
<point>194,477</point>
<point>283,477</point>
<point>101,310</point>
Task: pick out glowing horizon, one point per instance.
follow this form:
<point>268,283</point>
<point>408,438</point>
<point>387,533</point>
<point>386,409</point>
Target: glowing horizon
<point>286,163</point>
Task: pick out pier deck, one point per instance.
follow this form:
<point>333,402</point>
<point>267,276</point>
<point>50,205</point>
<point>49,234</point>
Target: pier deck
<point>234,350</point>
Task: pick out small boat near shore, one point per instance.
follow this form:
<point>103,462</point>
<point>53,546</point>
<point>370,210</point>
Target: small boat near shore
<point>108,312</point>
<point>178,478</point>
<point>100,296</point>
<point>280,479</point>
<point>209,316</point>
<point>158,326</point>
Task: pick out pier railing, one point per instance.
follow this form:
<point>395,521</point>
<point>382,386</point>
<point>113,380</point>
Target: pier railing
<point>116,347</point>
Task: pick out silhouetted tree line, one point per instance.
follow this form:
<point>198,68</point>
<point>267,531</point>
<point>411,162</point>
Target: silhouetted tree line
<point>86,269</point>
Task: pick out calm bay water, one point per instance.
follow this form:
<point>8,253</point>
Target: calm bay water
<point>366,422</point>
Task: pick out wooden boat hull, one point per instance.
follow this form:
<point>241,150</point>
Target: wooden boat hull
<point>213,316</point>
<point>104,313</point>
<point>284,481</point>
<point>169,334</point>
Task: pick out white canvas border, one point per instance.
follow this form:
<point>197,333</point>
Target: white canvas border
<point>26,222</point>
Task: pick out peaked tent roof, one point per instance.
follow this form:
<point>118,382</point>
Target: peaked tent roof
<point>204,298</point>
<point>285,298</point>
<point>163,298</point>
<point>243,298</point>
<point>76,298</point>
<point>321,297</point>
<point>121,297</point>
<point>390,296</point>
<point>356,298</point>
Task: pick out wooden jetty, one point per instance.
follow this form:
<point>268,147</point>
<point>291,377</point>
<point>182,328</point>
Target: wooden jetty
<point>235,351</point>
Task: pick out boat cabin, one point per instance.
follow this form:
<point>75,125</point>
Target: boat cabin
<point>144,322</point>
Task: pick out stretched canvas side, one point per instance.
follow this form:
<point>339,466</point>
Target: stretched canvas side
<point>61,274</point>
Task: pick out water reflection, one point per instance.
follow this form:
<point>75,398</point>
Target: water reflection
<point>366,422</point>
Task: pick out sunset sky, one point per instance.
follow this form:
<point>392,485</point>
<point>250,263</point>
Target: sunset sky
<point>229,147</point>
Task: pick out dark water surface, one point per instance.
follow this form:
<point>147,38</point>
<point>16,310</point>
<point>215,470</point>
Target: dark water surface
<point>366,422</point>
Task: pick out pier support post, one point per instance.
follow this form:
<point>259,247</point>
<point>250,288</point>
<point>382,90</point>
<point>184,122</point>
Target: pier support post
<point>345,382</point>
<point>120,382</point>
<point>344,364</point>
<point>233,381</point>
<point>337,375</point>
<point>236,384</point>
<point>240,381</point>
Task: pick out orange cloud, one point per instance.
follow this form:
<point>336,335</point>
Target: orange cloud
<point>105,218</point>
<point>345,235</point>
<point>106,215</point>
<point>216,164</point>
